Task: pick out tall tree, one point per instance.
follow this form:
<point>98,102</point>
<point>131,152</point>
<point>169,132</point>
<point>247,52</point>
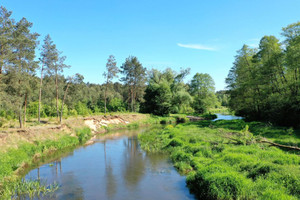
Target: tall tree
<point>135,78</point>
<point>181,99</point>
<point>264,83</point>
<point>166,93</point>
<point>49,56</point>
<point>70,79</point>
<point>292,52</point>
<point>23,65</point>
<point>6,30</point>
<point>111,72</point>
<point>56,69</point>
<point>203,90</point>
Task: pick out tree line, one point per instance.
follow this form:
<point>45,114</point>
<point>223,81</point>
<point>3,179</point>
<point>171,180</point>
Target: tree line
<point>264,82</point>
<point>33,86</point>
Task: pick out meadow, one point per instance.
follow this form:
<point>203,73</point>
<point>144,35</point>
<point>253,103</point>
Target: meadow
<point>229,160</point>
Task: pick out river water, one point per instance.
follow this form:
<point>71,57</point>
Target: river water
<point>226,117</point>
<point>114,167</point>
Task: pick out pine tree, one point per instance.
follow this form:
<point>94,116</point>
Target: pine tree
<point>111,72</point>
<point>135,78</point>
<point>22,66</point>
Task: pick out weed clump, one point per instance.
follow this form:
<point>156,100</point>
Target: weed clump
<point>83,134</point>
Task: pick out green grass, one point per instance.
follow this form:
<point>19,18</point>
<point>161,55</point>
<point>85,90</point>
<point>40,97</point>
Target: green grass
<point>221,168</point>
<point>29,189</point>
<point>27,153</point>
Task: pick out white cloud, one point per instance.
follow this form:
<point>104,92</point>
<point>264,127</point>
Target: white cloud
<point>253,45</point>
<point>197,46</point>
<point>254,40</point>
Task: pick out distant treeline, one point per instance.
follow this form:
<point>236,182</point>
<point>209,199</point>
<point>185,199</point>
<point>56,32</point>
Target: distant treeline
<point>34,86</point>
<point>264,82</point>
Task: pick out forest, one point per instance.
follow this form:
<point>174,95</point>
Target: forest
<point>34,86</point>
<point>264,82</point>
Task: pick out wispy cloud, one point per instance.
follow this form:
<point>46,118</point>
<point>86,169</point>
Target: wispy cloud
<point>253,42</point>
<point>253,45</point>
<point>254,39</point>
<point>197,46</point>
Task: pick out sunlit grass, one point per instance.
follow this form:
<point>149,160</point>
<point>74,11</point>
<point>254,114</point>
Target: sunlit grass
<point>220,168</point>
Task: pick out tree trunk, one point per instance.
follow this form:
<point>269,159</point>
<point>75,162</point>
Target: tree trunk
<point>1,63</point>
<point>56,83</point>
<point>40,95</point>
<point>105,100</point>
<point>131,98</point>
<point>63,101</point>
<point>25,106</point>
<point>105,93</point>
<point>134,98</point>
<point>20,117</point>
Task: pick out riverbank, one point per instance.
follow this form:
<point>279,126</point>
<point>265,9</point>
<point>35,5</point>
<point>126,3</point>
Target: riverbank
<point>20,148</point>
<point>228,160</point>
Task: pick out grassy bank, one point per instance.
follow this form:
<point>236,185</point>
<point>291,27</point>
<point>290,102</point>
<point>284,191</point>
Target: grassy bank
<point>14,160</point>
<point>23,148</point>
<point>225,159</point>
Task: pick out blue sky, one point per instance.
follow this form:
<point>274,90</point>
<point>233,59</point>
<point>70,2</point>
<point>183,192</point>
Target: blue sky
<point>202,34</point>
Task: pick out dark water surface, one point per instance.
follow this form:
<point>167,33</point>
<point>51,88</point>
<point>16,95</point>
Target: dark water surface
<point>114,168</point>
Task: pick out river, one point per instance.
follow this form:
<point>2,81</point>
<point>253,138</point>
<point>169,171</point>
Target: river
<point>114,167</point>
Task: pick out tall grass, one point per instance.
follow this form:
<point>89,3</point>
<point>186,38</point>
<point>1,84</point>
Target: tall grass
<point>220,168</point>
<point>26,153</point>
<point>26,189</point>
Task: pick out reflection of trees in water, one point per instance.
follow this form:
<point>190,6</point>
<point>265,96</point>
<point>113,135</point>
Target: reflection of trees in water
<point>111,185</point>
<point>158,162</point>
<point>134,162</point>
<point>70,188</point>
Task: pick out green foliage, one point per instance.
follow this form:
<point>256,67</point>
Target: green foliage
<point>14,158</point>
<point>203,90</point>
<point>263,83</point>
<point>209,116</point>
<point>83,134</point>
<point>166,93</point>
<point>26,189</point>
<point>222,168</point>
<point>116,105</point>
<point>134,77</point>
<point>81,109</point>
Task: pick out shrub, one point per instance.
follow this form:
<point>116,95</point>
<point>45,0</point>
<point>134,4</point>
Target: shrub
<point>117,105</point>
<point>83,134</point>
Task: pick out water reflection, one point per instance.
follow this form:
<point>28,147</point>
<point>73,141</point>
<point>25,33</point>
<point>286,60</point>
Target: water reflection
<point>134,163</point>
<point>114,168</point>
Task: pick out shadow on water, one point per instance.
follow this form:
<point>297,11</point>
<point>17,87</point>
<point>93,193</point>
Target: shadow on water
<point>113,168</point>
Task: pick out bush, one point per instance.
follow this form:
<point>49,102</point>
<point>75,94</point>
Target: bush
<point>83,134</point>
<point>81,109</point>
<point>209,116</point>
<point>116,105</point>
<point>181,119</point>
